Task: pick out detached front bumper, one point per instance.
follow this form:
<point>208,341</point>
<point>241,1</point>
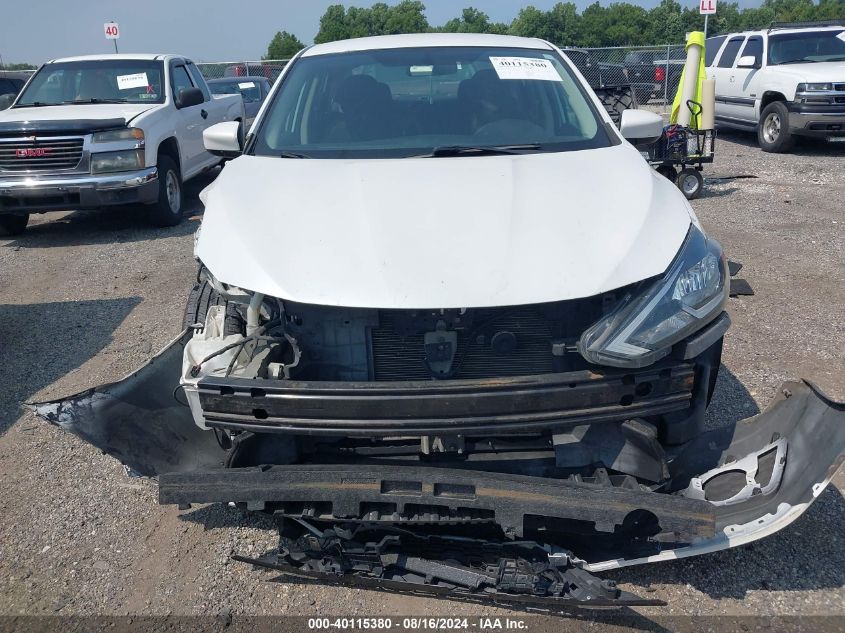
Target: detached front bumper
<point>785,456</point>
<point>817,120</point>
<point>34,193</point>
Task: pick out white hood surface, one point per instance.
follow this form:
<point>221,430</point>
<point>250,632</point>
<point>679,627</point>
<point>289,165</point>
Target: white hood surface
<point>441,232</point>
<point>73,112</point>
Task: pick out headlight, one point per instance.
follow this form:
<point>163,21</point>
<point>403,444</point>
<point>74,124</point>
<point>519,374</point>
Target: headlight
<point>123,134</point>
<point>127,160</point>
<point>814,87</point>
<point>643,327</point>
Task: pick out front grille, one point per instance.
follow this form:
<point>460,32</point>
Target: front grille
<point>40,154</point>
<point>359,344</point>
<point>397,357</point>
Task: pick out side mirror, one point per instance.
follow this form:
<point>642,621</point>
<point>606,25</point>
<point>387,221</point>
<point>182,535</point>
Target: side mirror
<point>224,139</point>
<point>188,97</point>
<point>641,127</point>
<point>747,61</point>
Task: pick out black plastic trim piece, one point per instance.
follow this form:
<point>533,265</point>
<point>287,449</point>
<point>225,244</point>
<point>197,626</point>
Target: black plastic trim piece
<point>701,340</point>
<point>75,126</point>
<point>346,488</point>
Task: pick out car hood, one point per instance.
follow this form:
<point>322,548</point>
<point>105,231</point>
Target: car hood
<point>93,111</point>
<point>812,72</point>
<point>441,232</point>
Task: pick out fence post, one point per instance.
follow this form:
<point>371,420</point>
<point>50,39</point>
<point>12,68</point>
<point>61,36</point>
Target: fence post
<point>666,82</point>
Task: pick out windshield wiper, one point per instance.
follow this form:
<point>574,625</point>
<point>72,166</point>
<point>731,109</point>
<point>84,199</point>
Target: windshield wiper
<point>491,150</point>
<point>94,100</point>
<point>799,61</point>
<point>292,155</point>
<point>34,104</point>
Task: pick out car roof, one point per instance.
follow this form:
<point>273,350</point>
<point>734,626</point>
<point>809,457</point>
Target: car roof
<point>15,74</point>
<point>779,31</point>
<point>416,40</point>
<point>125,56</point>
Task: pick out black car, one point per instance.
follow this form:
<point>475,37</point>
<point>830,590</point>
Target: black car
<point>598,74</point>
<point>10,85</point>
<point>652,75</point>
<point>253,90</point>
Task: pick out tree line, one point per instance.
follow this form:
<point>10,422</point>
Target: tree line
<point>617,24</point>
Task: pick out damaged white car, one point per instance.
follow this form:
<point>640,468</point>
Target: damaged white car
<point>453,332</point>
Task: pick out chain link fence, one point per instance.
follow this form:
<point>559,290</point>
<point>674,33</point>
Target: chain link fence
<point>269,68</point>
<point>654,72</point>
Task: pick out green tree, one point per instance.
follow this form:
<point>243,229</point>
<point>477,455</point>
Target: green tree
<point>17,67</point>
<point>339,23</point>
<point>473,21</point>
<point>333,25</point>
<point>284,45</point>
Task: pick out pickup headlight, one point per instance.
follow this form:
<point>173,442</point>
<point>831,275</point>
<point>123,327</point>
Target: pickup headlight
<point>126,160</point>
<point>817,87</point>
<point>643,327</point>
<point>123,134</point>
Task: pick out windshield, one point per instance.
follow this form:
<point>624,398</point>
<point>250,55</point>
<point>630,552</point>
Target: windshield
<point>807,47</point>
<point>420,101</point>
<point>247,88</point>
<point>98,81</point>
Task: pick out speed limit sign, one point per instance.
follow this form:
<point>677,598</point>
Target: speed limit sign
<point>112,30</point>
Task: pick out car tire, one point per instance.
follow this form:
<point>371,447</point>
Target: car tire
<point>201,298</point>
<point>773,133</point>
<point>13,224</point>
<point>690,182</point>
<point>167,210</point>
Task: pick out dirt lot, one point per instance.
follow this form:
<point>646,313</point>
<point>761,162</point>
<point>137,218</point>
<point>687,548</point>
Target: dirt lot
<point>87,297</point>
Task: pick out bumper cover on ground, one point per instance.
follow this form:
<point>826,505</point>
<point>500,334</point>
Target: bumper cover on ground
<point>141,421</point>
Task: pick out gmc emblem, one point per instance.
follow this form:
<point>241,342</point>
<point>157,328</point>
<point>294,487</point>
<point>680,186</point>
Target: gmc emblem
<point>32,152</point>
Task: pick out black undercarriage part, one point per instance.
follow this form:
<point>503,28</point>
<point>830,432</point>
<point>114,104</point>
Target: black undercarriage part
<point>519,573</point>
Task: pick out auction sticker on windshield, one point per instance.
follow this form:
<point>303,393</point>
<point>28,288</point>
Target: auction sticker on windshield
<point>138,80</point>
<point>245,85</point>
<point>525,68</point>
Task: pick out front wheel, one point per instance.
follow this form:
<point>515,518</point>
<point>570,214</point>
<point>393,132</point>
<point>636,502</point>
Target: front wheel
<point>13,224</point>
<point>690,182</point>
<point>773,133</point>
<point>201,298</point>
<point>167,210</point>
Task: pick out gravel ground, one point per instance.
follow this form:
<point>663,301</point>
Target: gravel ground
<point>87,297</point>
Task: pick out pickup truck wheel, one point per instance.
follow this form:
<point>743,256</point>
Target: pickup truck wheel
<point>167,211</point>
<point>13,224</point>
<point>773,131</point>
<point>690,182</point>
<point>201,298</point>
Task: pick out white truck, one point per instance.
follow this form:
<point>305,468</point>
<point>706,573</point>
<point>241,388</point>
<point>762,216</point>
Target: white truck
<point>96,131</point>
<point>783,82</point>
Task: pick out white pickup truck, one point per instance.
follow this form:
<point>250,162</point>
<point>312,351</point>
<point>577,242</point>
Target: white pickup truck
<point>783,82</point>
<point>95,131</point>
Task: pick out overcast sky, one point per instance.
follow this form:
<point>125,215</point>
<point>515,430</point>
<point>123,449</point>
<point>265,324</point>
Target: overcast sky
<point>206,30</point>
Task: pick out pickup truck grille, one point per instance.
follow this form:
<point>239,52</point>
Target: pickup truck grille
<point>26,154</point>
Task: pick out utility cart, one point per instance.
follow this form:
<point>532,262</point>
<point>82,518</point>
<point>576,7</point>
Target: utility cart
<point>680,155</point>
